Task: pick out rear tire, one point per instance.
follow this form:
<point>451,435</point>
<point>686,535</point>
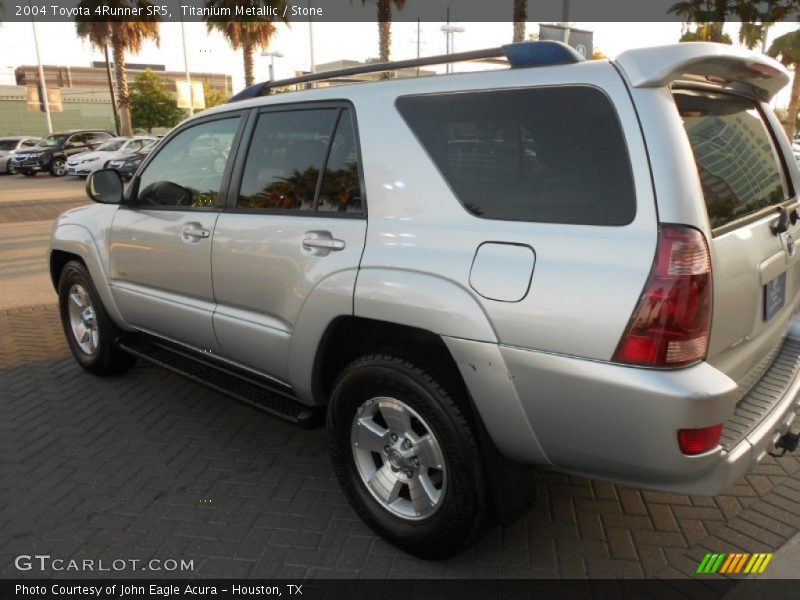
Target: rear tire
<point>90,332</point>
<point>405,454</point>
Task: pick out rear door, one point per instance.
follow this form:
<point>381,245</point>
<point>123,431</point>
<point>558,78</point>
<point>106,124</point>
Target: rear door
<point>749,200</point>
<point>296,217</point>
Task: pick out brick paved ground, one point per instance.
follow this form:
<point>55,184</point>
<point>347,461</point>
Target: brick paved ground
<point>149,464</point>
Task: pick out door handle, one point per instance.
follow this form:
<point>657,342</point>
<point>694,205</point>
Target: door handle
<point>323,243</point>
<point>195,232</point>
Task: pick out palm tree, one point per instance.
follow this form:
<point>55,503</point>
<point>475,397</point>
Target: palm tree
<point>123,37</point>
<point>786,48</point>
<point>520,16</point>
<point>246,35</point>
<point>385,28</point>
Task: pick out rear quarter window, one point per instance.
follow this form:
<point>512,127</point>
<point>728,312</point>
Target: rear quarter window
<point>549,155</point>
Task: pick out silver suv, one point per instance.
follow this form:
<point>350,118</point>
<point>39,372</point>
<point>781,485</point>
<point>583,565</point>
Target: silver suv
<point>588,266</point>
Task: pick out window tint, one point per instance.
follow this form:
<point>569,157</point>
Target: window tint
<point>285,159</point>
<point>739,169</point>
<point>79,139</point>
<point>552,155</point>
<point>188,169</point>
<point>341,187</point>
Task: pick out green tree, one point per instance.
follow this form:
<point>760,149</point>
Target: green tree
<point>123,37</point>
<point>213,97</point>
<point>706,32</point>
<point>152,104</point>
<point>711,15</point>
<point>786,48</point>
<point>250,32</point>
<point>385,28</point>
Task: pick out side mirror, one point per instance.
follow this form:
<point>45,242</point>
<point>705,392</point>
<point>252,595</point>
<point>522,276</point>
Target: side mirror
<point>105,186</point>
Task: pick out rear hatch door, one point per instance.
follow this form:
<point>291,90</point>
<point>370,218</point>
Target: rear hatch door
<point>749,199</point>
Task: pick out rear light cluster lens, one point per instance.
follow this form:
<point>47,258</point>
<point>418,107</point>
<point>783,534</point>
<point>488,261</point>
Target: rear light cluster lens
<point>698,441</point>
<point>672,322</point>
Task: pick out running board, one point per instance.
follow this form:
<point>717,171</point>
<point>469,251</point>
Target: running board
<point>228,379</point>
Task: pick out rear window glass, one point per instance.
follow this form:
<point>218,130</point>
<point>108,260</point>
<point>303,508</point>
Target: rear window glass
<point>739,168</point>
<point>550,155</point>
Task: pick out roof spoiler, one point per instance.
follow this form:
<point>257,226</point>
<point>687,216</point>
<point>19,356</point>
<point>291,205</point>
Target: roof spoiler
<point>715,63</point>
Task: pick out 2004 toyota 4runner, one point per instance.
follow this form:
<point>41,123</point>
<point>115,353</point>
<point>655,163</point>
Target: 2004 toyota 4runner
<point>584,265</point>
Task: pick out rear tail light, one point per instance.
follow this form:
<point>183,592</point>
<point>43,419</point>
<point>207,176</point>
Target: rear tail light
<point>671,324</point>
<point>697,441</point>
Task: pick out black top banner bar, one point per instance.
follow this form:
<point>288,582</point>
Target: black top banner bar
<point>412,10</point>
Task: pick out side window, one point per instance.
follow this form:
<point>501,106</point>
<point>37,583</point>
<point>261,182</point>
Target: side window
<point>285,158</point>
<point>547,155</point>
<point>97,138</point>
<point>187,171</point>
<point>79,139</point>
<point>134,145</point>
<point>341,186</point>
<point>29,143</point>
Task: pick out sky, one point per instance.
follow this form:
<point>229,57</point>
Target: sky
<point>332,41</point>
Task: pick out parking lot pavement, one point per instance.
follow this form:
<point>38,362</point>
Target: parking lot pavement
<point>150,465</point>
<point>28,206</point>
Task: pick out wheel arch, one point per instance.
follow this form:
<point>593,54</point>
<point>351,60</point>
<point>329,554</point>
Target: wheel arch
<point>75,242</point>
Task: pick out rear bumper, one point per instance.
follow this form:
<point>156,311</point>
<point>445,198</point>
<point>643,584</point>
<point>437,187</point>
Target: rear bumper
<point>614,422</point>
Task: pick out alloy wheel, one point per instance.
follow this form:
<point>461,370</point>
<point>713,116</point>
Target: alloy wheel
<point>398,458</point>
<point>83,319</point>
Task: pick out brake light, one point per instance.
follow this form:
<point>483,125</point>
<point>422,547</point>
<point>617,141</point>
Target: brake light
<point>697,441</point>
<point>671,324</point>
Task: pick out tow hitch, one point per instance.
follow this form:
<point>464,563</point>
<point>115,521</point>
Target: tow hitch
<point>788,442</point>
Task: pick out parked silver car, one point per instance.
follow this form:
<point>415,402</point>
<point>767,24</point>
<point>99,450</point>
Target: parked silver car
<point>584,265</point>
<point>9,146</point>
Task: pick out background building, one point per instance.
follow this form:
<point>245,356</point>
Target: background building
<point>82,107</point>
<point>96,76</point>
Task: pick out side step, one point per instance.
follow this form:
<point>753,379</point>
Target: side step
<point>225,378</point>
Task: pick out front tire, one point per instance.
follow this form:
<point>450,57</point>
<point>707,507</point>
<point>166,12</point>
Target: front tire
<point>58,167</point>
<point>406,455</point>
<point>90,332</point>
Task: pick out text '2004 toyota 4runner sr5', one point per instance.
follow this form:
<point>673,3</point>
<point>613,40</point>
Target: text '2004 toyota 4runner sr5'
<point>583,265</point>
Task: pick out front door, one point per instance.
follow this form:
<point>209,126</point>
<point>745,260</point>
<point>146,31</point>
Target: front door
<point>160,247</point>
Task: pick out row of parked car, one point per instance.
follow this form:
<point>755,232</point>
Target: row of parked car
<point>74,152</point>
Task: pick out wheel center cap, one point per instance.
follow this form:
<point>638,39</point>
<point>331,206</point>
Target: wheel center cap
<point>396,459</point>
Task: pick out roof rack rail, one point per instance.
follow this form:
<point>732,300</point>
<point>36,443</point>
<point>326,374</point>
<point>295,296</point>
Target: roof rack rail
<point>519,55</point>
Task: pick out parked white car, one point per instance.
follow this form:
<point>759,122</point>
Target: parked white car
<point>87,162</point>
<point>9,146</point>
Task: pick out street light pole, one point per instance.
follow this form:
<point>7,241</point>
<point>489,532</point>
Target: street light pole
<point>42,83</point>
<point>186,66</point>
<point>313,67</point>
<point>272,56</point>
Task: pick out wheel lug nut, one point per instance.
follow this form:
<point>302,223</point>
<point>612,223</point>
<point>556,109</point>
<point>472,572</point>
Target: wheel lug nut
<point>393,437</point>
<point>415,460</point>
<point>407,444</point>
<point>386,449</point>
<point>409,474</point>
